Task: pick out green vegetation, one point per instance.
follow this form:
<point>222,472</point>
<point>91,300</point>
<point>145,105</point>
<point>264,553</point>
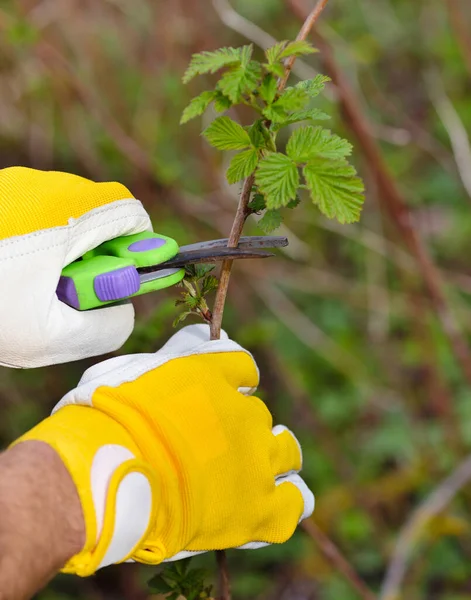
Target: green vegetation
<point>352,356</point>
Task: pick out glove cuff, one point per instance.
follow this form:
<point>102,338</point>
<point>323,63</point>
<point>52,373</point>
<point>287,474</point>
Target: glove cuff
<point>118,490</point>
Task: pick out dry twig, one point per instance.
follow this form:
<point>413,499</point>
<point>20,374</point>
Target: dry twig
<point>413,529</point>
<point>336,558</point>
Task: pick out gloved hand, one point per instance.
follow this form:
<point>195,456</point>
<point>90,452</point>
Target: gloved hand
<point>171,455</point>
<point>48,220</point>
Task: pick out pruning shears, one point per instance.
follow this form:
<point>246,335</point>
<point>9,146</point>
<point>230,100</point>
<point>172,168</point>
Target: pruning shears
<point>132,265</point>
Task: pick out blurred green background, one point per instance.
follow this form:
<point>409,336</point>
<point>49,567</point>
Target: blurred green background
<point>352,356</point>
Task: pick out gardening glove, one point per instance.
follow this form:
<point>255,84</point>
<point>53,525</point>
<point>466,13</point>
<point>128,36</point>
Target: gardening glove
<point>172,455</point>
<point>48,220</point>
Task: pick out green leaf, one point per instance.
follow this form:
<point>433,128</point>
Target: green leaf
<point>268,88</point>
<point>255,133</point>
<point>197,106</point>
<point>257,203</point>
<point>242,165</point>
<point>292,99</point>
<point>157,583</point>
<point>202,269</point>
<point>194,273</point>
<point>308,142</point>
<point>313,87</point>
<point>276,68</point>
<point>210,62</point>
<point>297,48</point>
<point>190,301</point>
<point>181,566</point>
<point>273,53</point>
<point>270,221</point>
<point>335,188</point>
<point>246,54</point>
<point>277,178</point>
<point>303,115</point>
<point>259,135</point>
<point>225,134</point>
<point>294,203</point>
<point>221,102</point>
<point>210,284</point>
<point>240,80</point>
<point>284,49</point>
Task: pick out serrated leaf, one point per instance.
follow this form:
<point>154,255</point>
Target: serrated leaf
<point>308,142</point>
<point>197,106</point>
<point>277,178</point>
<point>202,269</point>
<point>211,61</point>
<point>292,99</point>
<point>313,87</point>
<point>270,221</point>
<point>257,203</point>
<point>255,133</point>
<point>297,48</point>
<point>303,115</point>
<point>181,566</point>
<point>273,53</point>
<point>190,272</point>
<point>294,203</point>
<point>225,134</point>
<point>191,301</point>
<point>276,68</point>
<point>268,88</point>
<point>335,188</point>
<point>259,135</point>
<point>157,583</point>
<point>210,284</point>
<point>240,80</point>
<point>242,165</point>
<point>221,102</point>
<point>246,54</point>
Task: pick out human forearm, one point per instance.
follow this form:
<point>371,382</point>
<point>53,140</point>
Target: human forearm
<point>41,523</point>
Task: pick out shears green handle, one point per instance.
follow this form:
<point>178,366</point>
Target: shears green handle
<point>109,272</point>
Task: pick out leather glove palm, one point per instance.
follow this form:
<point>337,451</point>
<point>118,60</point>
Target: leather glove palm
<point>48,220</point>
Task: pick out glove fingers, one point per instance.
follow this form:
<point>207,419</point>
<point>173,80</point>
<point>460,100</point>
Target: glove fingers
<point>236,364</point>
<point>286,455</point>
<point>294,502</point>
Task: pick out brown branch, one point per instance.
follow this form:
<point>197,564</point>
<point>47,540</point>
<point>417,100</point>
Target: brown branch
<point>337,559</point>
<point>226,268</point>
<point>236,231</point>
<point>393,200</point>
<point>242,209</point>
<point>224,583</point>
<point>302,35</point>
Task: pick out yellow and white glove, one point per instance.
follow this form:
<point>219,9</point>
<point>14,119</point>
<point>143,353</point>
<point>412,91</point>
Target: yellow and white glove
<point>172,455</point>
<point>47,220</point>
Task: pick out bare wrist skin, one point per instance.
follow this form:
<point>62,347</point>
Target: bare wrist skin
<point>41,522</point>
